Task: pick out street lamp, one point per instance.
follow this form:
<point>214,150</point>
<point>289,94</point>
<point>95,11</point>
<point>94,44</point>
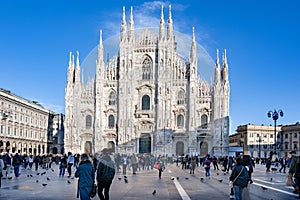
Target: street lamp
<point>4,117</point>
<point>259,141</point>
<point>275,115</point>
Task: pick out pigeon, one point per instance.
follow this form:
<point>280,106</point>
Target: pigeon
<point>120,178</point>
<point>38,174</point>
<point>186,178</point>
<point>201,179</point>
<point>271,179</point>
<point>68,181</point>
<point>126,181</point>
<point>48,178</point>
<point>220,180</point>
<point>218,174</point>
<point>224,173</point>
<point>30,175</point>
<point>125,176</point>
<point>177,178</point>
<point>44,184</point>
<point>9,178</point>
<point>154,192</point>
<point>263,188</point>
<point>43,173</point>
<point>172,178</point>
<point>52,170</point>
<point>37,181</point>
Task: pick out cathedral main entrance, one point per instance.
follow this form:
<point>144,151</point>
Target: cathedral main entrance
<point>145,143</point>
<point>179,148</point>
<point>88,147</point>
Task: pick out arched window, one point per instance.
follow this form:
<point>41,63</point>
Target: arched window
<point>180,97</point>
<point>146,69</point>
<point>180,121</point>
<point>204,120</point>
<point>146,102</point>
<point>88,121</point>
<point>112,98</point>
<point>111,121</point>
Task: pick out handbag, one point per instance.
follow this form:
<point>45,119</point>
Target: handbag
<point>289,180</point>
<point>156,165</point>
<point>94,187</point>
<point>94,190</point>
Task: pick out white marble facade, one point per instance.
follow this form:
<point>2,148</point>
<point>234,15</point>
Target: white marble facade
<point>148,99</point>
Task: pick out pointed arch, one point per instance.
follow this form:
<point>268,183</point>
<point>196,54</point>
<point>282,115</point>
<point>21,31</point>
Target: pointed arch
<point>180,97</point>
<point>112,98</point>
<point>147,68</point>
<point>145,102</point>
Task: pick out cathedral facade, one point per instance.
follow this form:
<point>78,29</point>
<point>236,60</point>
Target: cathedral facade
<point>148,99</point>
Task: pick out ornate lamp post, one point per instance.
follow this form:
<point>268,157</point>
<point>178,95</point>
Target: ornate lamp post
<point>4,117</point>
<point>275,115</point>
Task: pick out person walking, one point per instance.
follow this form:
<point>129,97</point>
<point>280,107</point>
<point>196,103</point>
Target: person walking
<point>283,163</point>
<point>70,163</point>
<point>105,175</point>
<point>297,175</point>
<point>36,161</point>
<point>30,161</point>
<point>63,165</point>
<point>292,170</point>
<point>239,178</point>
<point>215,163</point>
<point>1,168</point>
<point>161,166</point>
<point>17,161</point>
<point>193,165</point>
<point>207,163</point>
<point>86,174</point>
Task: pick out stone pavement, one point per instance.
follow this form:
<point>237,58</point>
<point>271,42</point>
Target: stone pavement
<point>139,186</point>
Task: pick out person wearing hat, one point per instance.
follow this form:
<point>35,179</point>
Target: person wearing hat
<point>292,169</point>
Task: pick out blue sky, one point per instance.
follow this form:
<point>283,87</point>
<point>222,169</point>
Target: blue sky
<point>261,38</point>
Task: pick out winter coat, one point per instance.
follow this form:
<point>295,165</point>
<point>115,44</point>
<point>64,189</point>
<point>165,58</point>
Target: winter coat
<point>239,180</point>
<point>106,171</point>
<point>86,174</point>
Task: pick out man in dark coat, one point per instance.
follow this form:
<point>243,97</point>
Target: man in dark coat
<point>105,174</point>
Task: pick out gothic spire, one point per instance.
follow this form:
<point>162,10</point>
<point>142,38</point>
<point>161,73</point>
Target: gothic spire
<point>193,55</point>
<point>123,26</point>
<point>71,69</point>
<point>131,26</point>
<point>162,23</point>
<point>170,24</point>
<point>224,67</point>
<point>77,70</point>
<point>217,68</point>
<point>100,47</point>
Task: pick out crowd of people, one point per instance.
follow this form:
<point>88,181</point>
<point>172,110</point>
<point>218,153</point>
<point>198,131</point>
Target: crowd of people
<point>102,167</point>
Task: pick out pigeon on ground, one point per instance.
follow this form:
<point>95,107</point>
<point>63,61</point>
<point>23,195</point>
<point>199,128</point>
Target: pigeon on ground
<point>177,178</point>
<point>172,178</point>
<point>126,181</point>
<point>263,188</point>
<point>44,184</point>
<point>9,178</point>
<point>218,174</point>
<point>186,178</point>
<point>125,176</point>
<point>30,175</point>
<point>38,174</point>
<point>154,192</point>
<point>220,180</point>
<point>43,173</point>
<point>48,178</point>
<point>201,179</point>
<point>119,178</point>
<point>68,181</point>
<point>224,173</point>
<point>37,181</point>
<point>271,179</point>
<point>52,170</point>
